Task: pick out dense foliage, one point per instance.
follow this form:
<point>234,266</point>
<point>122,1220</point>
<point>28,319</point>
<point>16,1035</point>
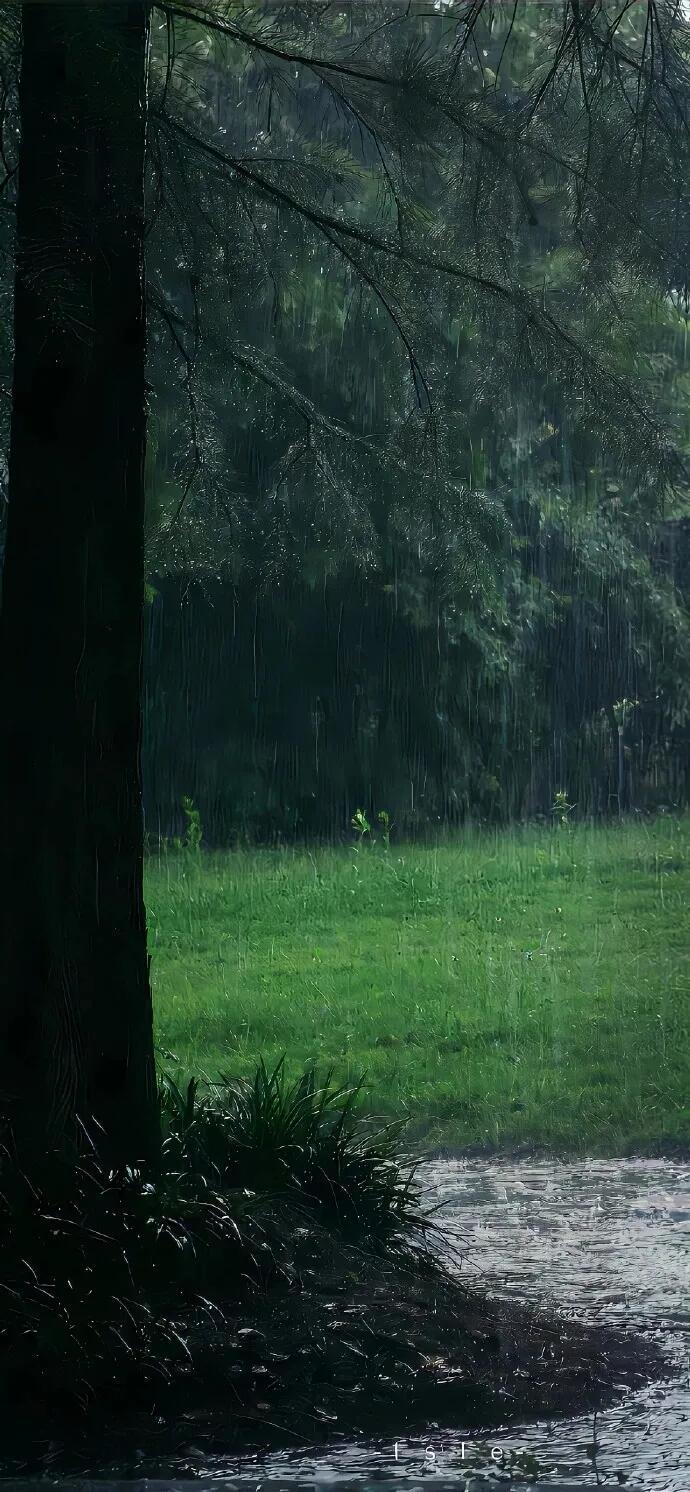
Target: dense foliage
<point>417,437</point>
<point>417,501</point>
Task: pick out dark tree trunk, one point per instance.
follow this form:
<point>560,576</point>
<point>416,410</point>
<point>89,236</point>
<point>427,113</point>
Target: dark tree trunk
<point>75,1004</point>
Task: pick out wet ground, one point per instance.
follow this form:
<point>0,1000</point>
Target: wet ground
<point>607,1240</point>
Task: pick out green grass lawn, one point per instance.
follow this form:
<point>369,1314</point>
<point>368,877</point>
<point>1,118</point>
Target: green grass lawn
<point>530,985</point>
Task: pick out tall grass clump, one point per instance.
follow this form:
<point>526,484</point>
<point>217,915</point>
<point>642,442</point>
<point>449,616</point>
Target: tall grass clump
<point>102,1276</point>
<point>302,1139</point>
<point>99,1275</point>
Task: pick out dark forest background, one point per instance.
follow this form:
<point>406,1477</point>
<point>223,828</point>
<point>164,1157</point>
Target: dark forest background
<point>455,591</point>
<point>445,574</point>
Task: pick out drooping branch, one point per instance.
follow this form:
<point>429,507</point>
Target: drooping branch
<point>447,178</point>
<point>535,316</point>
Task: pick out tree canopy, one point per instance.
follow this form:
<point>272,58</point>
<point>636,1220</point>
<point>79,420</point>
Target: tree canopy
<point>483,208</point>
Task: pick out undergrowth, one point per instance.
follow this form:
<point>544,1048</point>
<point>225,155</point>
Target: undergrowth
<point>273,1284</point>
<point>99,1279</point>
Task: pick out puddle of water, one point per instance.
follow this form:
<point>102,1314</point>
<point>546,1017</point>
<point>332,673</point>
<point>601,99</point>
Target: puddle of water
<point>609,1241</point>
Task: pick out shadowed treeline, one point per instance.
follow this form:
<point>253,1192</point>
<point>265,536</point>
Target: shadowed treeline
<point>282,713</point>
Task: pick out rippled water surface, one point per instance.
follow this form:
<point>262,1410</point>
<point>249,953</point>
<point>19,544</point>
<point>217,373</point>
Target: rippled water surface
<point>609,1240</point>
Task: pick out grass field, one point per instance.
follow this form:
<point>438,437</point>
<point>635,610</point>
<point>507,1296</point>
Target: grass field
<point>525,986</point>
